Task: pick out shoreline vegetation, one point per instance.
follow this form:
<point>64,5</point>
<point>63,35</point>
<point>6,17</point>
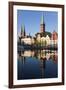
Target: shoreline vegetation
<point>36,47</point>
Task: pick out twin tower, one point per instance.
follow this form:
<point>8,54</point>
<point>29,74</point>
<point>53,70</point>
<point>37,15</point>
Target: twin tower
<point>42,27</point>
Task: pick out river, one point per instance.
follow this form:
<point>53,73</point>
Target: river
<point>37,64</point>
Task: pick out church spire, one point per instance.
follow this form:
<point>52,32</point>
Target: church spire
<point>22,30</point>
<point>42,24</point>
<point>42,19</point>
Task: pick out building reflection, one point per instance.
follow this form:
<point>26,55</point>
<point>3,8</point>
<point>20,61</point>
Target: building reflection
<point>42,67</point>
<point>22,59</point>
<point>41,55</point>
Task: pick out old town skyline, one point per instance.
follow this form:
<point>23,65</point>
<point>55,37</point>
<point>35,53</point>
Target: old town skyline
<point>31,21</point>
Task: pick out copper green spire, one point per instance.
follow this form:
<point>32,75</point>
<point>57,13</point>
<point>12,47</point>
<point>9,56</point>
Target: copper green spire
<point>23,30</point>
<point>42,19</point>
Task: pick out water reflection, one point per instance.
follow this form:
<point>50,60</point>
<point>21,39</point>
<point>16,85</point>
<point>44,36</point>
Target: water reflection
<point>37,64</point>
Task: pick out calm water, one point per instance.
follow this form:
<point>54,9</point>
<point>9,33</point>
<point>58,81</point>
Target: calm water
<point>37,64</point>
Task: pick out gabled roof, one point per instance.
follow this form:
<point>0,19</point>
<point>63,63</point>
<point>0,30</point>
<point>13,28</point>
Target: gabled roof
<point>44,34</point>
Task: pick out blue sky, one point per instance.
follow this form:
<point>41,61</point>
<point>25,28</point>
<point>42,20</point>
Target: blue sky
<point>31,20</point>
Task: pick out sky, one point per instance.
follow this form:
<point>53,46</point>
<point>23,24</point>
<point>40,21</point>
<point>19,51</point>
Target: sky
<point>32,19</point>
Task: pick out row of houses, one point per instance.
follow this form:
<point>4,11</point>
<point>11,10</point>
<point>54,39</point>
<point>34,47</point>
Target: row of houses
<point>53,40</point>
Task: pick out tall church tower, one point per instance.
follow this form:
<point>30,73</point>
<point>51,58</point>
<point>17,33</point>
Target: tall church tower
<point>42,25</point>
<point>23,34</point>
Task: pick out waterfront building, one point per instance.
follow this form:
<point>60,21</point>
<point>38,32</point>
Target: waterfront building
<point>48,40</point>
<point>54,38</point>
<point>28,40</point>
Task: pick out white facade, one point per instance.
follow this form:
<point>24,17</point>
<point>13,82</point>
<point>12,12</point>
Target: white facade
<point>43,39</point>
<point>38,38</point>
<point>28,40</point>
<point>47,40</point>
